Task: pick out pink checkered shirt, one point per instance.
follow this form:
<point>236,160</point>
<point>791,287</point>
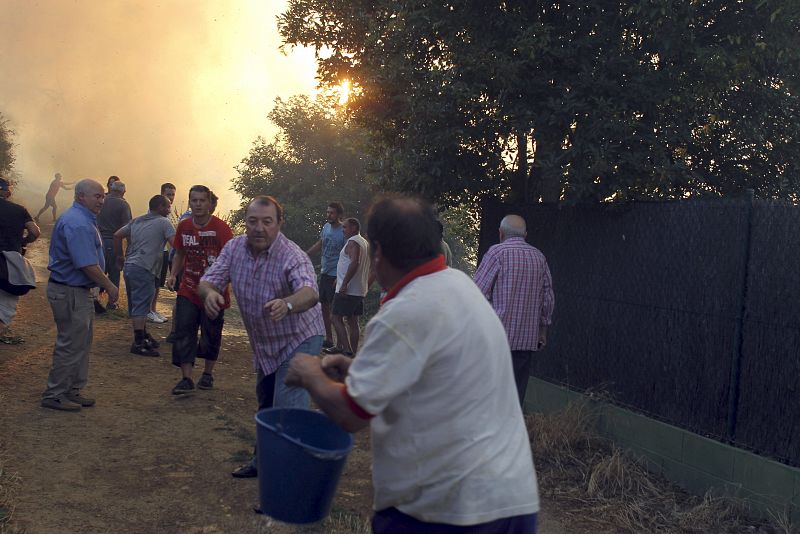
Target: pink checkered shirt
<point>276,273</point>
<point>515,278</point>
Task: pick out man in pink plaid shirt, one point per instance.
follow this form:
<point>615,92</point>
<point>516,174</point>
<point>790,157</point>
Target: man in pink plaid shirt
<point>276,290</point>
<point>515,278</point>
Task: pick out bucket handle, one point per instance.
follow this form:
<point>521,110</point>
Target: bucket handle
<point>311,451</point>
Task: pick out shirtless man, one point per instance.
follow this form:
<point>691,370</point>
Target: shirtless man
<point>50,198</point>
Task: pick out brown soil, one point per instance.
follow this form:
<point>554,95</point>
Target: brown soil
<point>141,460</point>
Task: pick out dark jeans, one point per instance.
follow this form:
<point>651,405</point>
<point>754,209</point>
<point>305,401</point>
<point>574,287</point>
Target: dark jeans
<point>393,521</point>
<point>188,318</point>
<point>111,261</point>
<point>522,371</point>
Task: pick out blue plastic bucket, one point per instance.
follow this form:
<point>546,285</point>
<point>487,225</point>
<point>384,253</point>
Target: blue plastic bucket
<point>301,454</point>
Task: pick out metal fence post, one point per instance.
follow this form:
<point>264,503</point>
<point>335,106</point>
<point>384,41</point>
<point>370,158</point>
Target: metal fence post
<point>736,359</point>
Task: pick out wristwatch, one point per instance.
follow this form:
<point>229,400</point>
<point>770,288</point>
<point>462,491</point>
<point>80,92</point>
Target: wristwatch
<point>288,305</point>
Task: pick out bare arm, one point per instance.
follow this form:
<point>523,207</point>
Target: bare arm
<point>354,252</point>
<point>32,232</point>
<point>306,371</point>
<point>97,276</point>
<point>212,298</point>
<point>316,247</point>
<point>175,268</point>
<point>301,300</point>
<point>118,253</point>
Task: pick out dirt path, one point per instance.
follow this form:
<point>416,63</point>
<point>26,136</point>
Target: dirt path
<point>142,461</point>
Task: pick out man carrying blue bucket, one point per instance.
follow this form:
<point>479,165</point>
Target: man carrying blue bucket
<point>276,290</point>
<point>434,382</point>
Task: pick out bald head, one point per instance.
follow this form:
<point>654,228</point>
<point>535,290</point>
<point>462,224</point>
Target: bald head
<point>512,226</point>
<point>405,230</point>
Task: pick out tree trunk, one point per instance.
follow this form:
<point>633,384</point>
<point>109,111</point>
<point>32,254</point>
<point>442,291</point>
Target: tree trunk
<point>519,180</point>
<point>547,176</point>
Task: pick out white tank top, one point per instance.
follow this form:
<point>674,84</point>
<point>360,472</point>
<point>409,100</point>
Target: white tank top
<point>358,284</point>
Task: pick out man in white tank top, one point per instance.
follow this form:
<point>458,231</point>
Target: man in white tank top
<point>352,274</point>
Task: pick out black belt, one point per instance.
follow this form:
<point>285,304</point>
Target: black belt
<point>68,285</point>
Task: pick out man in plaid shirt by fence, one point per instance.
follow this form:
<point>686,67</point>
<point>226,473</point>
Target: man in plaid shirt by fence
<point>514,277</point>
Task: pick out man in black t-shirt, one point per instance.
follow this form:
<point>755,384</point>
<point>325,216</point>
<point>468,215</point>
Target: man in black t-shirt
<point>17,229</point>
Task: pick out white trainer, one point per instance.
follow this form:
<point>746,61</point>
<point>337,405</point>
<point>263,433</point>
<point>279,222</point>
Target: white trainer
<point>155,317</point>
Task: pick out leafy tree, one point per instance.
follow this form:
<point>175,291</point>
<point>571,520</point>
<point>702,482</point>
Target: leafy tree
<point>566,100</point>
<point>6,147</point>
<point>315,158</point>
<point>318,156</point>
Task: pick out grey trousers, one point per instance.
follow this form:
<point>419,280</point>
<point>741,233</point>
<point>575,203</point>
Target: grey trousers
<point>73,311</point>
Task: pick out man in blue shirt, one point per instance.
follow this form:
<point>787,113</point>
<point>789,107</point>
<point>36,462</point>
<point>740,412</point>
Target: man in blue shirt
<point>76,266</point>
<point>331,241</point>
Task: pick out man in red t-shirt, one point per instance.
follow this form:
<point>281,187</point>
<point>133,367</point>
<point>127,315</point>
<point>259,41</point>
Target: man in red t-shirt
<point>198,241</point>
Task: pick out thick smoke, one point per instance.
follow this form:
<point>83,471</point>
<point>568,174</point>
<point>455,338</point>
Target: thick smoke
<point>149,91</point>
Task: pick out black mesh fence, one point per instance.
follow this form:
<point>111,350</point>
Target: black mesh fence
<point>769,402</point>
<point>686,311</point>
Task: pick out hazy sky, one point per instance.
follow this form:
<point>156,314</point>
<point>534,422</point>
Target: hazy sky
<point>152,91</point>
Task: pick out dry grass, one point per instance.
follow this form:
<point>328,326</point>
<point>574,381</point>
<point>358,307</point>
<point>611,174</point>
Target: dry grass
<point>9,482</point>
<point>342,522</point>
<point>599,488</point>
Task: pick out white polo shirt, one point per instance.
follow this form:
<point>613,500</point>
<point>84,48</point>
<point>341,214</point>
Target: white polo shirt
<point>449,442</point>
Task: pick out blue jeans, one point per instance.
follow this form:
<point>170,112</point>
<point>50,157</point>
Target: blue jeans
<point>271,390</point>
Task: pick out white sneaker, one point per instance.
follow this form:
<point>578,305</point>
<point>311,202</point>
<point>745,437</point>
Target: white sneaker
<point>154,317</point>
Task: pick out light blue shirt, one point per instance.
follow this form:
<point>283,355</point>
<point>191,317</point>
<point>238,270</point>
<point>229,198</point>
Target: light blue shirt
<point>332,243</point>
<point>75,244</point>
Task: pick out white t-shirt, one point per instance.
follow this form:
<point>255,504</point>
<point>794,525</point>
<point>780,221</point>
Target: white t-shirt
<point>449,442</point>
<point>358,284</point>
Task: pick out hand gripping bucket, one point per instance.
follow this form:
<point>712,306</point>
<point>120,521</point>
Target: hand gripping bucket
<point>301,454</point>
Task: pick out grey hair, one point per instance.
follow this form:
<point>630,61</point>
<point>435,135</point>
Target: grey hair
<point>118,186</point>
<point>85,186</point>
<point>513,226</point>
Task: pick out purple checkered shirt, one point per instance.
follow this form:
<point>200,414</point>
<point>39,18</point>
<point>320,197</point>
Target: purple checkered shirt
<point>515,278</point>
<point>276,273</point>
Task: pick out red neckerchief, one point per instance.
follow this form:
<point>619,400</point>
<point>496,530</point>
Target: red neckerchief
<point>435,265</point>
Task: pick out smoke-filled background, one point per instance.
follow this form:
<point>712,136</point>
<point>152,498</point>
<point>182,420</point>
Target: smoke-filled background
<point>150,91</point>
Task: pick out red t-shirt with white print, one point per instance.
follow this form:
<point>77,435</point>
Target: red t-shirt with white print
<point>201,247</point>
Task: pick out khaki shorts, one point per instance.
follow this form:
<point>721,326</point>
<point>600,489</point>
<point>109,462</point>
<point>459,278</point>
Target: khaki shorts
<point>8,307</point>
